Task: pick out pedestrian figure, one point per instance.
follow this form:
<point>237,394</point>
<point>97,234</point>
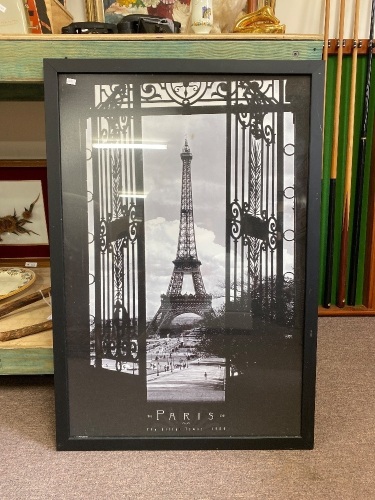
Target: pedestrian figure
<point>205,374</point>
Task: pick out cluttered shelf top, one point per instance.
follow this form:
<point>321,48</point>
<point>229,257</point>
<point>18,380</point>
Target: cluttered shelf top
<point>22,56</point>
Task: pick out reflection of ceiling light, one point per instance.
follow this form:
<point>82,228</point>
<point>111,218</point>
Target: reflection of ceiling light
<point>107,145</point>
<point>132,195</point>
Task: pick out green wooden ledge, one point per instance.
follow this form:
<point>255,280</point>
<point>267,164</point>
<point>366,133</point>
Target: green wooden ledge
<point>26,361</point>
<point>22,57</point>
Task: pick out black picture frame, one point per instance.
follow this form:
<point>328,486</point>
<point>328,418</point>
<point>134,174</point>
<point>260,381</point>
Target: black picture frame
<point>122,376</point>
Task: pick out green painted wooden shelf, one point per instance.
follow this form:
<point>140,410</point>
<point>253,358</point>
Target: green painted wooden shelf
<point>21,70</point>
<point>21,360</point>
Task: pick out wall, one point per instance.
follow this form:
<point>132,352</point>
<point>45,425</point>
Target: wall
<point>308,16</point>
<point>22,133</point>
<point>77,9</point>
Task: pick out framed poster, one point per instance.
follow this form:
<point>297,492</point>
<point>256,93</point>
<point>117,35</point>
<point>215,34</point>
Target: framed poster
<point>23,209</point>
<point>184,244</point>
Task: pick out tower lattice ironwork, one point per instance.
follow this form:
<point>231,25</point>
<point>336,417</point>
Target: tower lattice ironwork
<point>174,302</point>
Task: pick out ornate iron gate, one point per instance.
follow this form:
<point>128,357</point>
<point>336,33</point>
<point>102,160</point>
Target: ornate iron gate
<point>115,209</point>
<point>261,216</point>
<point>260,202</point>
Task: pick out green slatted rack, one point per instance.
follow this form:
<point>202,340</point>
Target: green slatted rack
<point>330,90</point>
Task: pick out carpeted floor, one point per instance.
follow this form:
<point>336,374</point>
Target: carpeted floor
<point>342,465</point>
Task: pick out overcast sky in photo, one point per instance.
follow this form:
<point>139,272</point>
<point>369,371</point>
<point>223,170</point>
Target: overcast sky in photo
<point>162,173</point>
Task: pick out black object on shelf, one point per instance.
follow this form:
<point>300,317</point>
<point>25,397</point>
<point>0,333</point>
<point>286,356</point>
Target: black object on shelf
<point>88,28</point>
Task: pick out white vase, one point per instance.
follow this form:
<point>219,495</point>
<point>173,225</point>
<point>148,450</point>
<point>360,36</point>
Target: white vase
<point>201,16</point>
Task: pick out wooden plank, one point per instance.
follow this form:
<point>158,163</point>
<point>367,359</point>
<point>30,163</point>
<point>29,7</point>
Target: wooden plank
<point>58,15</point>
<point>35,50</point>
<point>41,340</point>
<point>362,45</point>
<point>346,311</point>
<point>35,361</point>
<point>39,261</point>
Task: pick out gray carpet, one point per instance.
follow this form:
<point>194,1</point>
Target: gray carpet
<point>342,465</point>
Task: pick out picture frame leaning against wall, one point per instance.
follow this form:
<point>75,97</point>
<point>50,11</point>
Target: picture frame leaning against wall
<point>194,257</point>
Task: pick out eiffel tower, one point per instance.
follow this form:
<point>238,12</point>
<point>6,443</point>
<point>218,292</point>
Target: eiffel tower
<point>174,303</point>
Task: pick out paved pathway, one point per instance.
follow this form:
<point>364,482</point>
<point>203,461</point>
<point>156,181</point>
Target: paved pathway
<point>201,381</point>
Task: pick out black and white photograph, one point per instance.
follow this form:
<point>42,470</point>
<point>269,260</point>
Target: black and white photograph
<point>187,297</point>
<point>185,238</point>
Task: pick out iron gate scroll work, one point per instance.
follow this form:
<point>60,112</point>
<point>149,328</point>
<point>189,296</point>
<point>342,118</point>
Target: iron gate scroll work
<point>269,128</point>
<point>263,214</point>
<point>114,224</point>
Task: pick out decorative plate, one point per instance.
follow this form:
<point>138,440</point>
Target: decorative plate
<point>14,280</point>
